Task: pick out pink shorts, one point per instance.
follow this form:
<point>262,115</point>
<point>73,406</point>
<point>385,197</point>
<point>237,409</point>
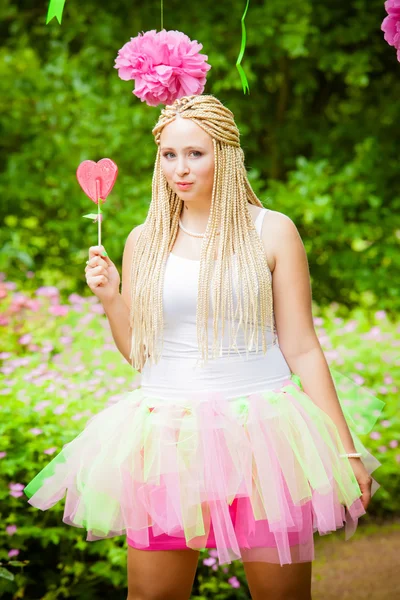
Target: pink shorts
<point>169,542</point>
<point>260,536</point>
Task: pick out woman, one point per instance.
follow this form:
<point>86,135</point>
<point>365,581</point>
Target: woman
<point>224,451</point>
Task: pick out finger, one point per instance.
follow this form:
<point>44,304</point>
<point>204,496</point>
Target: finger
<point>92,262</point>
<point>366,494</point>
<point>96,261</point>
<point>99,270</point>
<point>97,281</point>
<point>90,265</point>
<point>96,278</point>
<point>365,500</point>
<point>99,260</point>
<point>106,259</point>
<point>96,251</point>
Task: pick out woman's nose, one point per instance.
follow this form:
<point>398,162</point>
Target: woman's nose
<point>181,167</point>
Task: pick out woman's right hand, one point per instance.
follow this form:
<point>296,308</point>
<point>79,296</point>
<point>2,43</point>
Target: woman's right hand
<point>102,275</point>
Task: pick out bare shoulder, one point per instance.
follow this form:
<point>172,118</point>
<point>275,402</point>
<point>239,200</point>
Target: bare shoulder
<point>278,232</point>
<point>126,263</point>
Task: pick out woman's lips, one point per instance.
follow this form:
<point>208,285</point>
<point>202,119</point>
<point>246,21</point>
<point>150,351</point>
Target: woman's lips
<point>184,186</point>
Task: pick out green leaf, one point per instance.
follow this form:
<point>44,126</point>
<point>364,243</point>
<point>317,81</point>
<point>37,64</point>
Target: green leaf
<point>18,563</point>
<point>359,245</point>
<point>6,574</point>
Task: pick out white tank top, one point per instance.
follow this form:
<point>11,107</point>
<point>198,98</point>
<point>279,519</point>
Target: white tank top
<point>178,374</point>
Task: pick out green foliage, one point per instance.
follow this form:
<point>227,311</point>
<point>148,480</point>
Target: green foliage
<point>59,366</point>
<point>318,129</point>
<point>353,254</point>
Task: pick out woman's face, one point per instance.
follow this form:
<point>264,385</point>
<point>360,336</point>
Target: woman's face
<point>187,155</point>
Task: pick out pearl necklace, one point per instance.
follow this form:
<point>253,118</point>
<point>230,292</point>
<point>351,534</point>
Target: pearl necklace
<point>192,233</point>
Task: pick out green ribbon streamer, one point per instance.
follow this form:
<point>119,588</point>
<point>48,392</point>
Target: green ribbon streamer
<point>243,77</point>
<point>56,8</point>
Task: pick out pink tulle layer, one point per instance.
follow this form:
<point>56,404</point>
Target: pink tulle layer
<point>255,540</point>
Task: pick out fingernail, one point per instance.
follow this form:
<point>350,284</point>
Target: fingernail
<point>104,253</point>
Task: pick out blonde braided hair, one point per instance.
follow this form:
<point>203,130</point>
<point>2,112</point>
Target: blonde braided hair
<point>229,213</point>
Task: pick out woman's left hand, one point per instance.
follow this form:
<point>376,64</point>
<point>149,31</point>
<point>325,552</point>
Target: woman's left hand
<point>364,480</point>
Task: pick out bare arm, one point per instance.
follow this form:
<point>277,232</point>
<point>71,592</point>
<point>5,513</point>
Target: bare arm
<point>117,310</point>
<point>294,322</point>
<point>118,317</point>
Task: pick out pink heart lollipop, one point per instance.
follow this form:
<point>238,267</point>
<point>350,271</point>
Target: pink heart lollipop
<point>97,181</point>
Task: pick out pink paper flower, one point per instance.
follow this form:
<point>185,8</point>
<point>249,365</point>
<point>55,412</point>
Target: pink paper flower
<point>391,24</point>
<point>13,552</point>
<point>165,66</point>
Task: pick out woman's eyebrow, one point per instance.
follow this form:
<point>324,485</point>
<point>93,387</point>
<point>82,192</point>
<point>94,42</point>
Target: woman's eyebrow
<point>186,148</point>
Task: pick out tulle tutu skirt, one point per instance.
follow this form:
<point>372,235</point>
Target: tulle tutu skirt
<point>254,476</point>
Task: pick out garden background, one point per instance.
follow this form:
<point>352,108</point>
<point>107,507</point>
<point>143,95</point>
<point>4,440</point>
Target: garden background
<point>320,132</point>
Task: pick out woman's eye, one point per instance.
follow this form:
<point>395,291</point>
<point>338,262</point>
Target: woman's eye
<point>196,152</point>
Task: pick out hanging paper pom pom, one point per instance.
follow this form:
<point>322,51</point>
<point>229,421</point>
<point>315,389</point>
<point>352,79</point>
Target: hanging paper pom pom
<point>165,66</point>
<point>391,24</point>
